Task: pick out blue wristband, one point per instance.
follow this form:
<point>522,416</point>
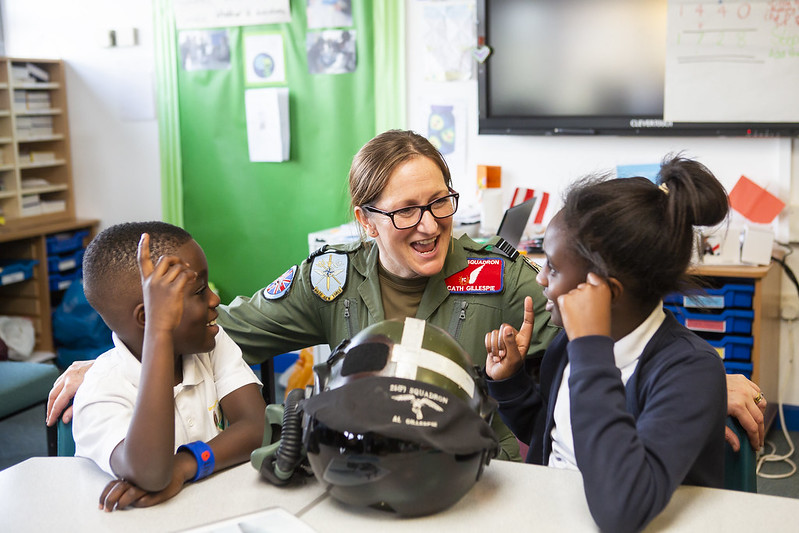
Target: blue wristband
<point>204,456</point>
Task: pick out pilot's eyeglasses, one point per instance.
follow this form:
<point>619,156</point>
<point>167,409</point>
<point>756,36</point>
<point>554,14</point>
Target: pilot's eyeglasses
<point>408,217</point>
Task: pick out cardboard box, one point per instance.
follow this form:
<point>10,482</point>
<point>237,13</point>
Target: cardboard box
<point>489,177</point>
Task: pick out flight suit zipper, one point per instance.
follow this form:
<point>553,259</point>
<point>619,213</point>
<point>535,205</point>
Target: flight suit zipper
<point>351,318</point>
<point>458,318</point>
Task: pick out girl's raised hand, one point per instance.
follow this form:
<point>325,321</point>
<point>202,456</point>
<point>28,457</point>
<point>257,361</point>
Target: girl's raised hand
<point>163,285</point>
<point>585,310</point>
<point>506,347</point>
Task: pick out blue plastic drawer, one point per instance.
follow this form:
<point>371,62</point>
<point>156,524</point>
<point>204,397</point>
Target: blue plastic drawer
<point>66,242</point>
<point>730,296</point>
<point>67,261</point>
<point>728,321</point>
<point>284,361</point>
<point>738,367</point>
<point>16,270</point>
<point>60,281</point>
<point>733,348</point>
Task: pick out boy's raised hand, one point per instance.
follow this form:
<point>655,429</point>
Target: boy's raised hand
<point>163,285</point>
<point>585,310</point>
<point>506,347</point>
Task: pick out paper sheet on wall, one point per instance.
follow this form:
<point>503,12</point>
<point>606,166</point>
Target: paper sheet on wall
<point>224,13</point>
<point>443,122</point>
<point>450,33</point>
<point>732,61</point>
<point>264,61</point>
<point>267,124</point>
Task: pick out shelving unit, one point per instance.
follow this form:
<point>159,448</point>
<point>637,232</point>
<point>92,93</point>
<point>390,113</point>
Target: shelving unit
<point>765,332</point>
<point>31,297</point>
<point>35,167</point>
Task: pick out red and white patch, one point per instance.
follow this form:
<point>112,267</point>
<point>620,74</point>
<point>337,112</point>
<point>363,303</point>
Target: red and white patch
<point>482,276</point>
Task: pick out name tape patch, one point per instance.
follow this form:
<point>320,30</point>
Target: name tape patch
<point>481,276</point>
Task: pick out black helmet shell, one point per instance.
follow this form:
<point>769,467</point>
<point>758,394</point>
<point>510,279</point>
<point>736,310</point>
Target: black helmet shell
<point>399,419</point>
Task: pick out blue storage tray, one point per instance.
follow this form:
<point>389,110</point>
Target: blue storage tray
<point>65,242</point>
<point>730,296</point>
<point>16,270</point>
<point>728,321</point>
<point>60,281</point>
<point>67,261</point>
<point>284,361</point>
<point>733,348</point>
<point>737,367</point>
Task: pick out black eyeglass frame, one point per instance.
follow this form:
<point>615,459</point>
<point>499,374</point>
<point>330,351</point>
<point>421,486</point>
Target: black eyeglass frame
<point>422,209</point>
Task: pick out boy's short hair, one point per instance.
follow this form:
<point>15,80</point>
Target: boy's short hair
<point>110,264</point>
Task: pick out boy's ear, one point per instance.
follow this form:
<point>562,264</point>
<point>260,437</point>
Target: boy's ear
<point>616,289</point>
<point>138,315</point>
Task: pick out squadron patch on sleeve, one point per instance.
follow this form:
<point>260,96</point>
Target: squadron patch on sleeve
<point>279,287</point>
<point>482,276</point>
<point>329,275</point>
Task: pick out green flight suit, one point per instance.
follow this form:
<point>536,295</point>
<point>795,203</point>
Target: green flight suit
<point>264,327</point>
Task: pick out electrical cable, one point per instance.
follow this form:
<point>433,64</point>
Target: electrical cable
<point>772,456</point>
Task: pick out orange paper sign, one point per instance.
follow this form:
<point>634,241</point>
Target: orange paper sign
<point>754,202</point>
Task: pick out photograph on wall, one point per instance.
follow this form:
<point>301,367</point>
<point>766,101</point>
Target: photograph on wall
<point>449,37</point>
<point>329,13</point>
<point>264,61</point>
<point>204,50</point>
<point>331,51</point>
<point>191,14</point>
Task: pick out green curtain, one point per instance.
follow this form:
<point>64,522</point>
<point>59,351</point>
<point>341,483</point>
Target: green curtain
<point>252,219</point>
<point>168,124</point>
<point>389,27</point>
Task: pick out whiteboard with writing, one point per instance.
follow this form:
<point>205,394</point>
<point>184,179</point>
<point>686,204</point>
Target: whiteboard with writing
<point>732,61</point>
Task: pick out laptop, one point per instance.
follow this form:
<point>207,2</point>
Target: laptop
<point>514,221</point>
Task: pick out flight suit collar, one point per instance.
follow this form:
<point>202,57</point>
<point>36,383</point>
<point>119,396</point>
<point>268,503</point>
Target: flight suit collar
<point>436,291</point>
<point>365,263</point>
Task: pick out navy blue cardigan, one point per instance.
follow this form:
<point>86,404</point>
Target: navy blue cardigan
<point>634,445</point>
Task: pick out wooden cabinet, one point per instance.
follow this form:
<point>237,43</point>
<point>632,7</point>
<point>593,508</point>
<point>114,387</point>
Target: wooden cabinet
<point>35,168</point>
<point>31,297</point>
<point>765,324</point>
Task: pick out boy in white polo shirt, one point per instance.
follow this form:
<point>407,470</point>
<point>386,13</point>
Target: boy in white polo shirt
<point>152,410</point>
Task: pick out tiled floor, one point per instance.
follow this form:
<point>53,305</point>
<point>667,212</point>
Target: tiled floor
<point>24,435</point>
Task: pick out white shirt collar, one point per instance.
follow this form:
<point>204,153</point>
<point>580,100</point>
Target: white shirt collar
<point>629,348</point>
<point>191,375</point>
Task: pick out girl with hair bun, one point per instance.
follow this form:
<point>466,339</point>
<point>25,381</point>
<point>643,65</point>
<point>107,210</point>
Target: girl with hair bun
<point>628,396</point>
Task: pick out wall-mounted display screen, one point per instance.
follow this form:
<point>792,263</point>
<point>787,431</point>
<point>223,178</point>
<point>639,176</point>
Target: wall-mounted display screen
<point>583,67</point>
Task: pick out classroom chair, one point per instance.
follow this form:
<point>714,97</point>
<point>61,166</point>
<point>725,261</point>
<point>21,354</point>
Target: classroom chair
<point>739,468</point>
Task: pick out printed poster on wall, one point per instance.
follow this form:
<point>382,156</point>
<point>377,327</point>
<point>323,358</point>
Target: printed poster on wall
<point>264,61</point>
<point>443,122</point>
<point>450,32</point>
<point>191,14</point>
<point>329,13</point>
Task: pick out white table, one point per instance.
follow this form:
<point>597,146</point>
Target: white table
<point>61,493</point>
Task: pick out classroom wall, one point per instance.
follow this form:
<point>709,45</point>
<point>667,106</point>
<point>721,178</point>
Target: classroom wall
<point>115,137</point>
<point>550,163</point>
<point>110,99</point>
